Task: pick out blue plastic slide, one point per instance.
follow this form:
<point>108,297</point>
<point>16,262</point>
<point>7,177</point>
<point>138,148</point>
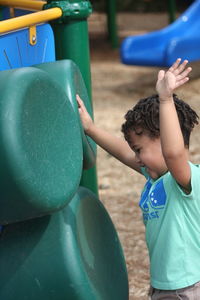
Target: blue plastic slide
<point>163,47</point>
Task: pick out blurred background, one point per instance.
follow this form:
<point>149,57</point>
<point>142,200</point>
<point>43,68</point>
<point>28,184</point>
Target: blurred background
<point>141,5</point>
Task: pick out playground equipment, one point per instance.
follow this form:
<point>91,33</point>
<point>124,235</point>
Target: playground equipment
<point>112,23</point>
<point>58,241</point>
<point>162,47</point>
<point>111,11</point>
<point>43,50</point>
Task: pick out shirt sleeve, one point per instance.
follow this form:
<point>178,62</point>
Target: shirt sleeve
<point>195,182</point>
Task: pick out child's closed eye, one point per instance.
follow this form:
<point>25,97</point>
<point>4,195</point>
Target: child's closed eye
<point>137,150</point>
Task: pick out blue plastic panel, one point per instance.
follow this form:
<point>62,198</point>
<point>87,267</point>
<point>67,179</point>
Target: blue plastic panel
<point>17,52</point>
<point>17,12</point>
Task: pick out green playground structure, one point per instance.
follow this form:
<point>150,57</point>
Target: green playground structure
<point>57,241</point>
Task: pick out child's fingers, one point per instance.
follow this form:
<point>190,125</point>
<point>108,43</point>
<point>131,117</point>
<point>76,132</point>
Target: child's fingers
<point>178,67</point>
<point>175,65</point>
<point>182,66</point>
<point>78,100</point>
<point>161,74</point>
<point>81,104</point>
<point>184,73</point>
<point>182,81</point>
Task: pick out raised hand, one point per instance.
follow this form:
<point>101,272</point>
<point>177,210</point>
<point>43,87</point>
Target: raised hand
<point>86,120</point>
<point>168,81</point>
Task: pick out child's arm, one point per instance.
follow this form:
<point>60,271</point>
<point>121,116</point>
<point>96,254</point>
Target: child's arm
<point>117,147</point>
<point>172,143</point>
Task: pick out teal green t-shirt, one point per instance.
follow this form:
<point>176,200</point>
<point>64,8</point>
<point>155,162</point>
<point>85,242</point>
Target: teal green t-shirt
<point>172,221</point>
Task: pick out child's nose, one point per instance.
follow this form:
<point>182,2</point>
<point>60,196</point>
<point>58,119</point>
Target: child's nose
<point>138,160</point>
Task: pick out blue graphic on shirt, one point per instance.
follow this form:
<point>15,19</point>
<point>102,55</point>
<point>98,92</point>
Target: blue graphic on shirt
<point>158,196</point>
<point>144,197</point>
<point>152,200</point>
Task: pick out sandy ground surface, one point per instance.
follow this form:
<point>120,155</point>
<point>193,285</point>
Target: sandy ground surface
<point>116,88</point>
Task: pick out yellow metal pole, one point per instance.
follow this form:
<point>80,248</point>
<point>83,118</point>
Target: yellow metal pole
<point>30,19</point>
<point>24,4</point>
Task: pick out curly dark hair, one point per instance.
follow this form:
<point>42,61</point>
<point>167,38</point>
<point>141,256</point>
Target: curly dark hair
<point>145,115</point>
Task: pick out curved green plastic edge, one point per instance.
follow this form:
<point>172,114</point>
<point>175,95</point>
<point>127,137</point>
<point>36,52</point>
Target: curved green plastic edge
<point>40,146</point>
<point>67,74</point>
<point>71,10</point>
<point>74,254</point>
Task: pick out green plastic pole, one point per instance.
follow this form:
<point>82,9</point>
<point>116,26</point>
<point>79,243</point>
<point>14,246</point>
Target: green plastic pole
<point>111,23</point>
<point>1,17</point>
<point>72,42</point>
<point>172,10</point>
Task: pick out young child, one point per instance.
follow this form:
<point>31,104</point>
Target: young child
<point>157,132</point>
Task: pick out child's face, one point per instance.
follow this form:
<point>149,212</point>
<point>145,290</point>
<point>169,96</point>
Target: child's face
<point>148,153</point>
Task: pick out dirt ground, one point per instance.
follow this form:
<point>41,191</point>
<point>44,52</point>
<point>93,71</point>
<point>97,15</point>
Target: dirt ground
<point>116,88</point>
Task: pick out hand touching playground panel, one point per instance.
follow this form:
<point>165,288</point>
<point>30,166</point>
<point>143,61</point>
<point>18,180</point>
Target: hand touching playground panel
<point>41,148</point>
<point>72,85</point>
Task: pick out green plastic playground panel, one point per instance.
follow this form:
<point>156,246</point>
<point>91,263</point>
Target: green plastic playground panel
<point>40,145</point>
<point>73,85</point>
<point>74,254</point>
